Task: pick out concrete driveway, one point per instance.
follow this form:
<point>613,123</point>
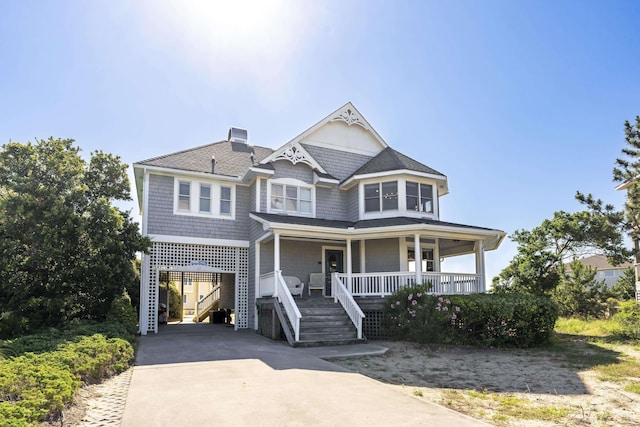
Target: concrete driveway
<point>200,375</point>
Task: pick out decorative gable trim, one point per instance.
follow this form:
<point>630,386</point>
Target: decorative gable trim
<point>295,153</point>
<point>347,114</point>
<point>350,116</point>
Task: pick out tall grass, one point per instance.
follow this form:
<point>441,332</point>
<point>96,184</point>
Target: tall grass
<point>593,328</point>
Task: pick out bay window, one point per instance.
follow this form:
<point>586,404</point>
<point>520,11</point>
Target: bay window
<point>381,196</point>
<point>419,197</point>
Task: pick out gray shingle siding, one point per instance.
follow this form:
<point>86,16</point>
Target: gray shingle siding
<point>340,164</point>
<point>331,203</point>
<point>300,258</point>
<point>161,219</point>
<point>352,204</point>
<point>382,255</point>
<point>286,169</point>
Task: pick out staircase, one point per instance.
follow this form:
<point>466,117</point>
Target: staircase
<point>324,322</point>
<point>209,302</point>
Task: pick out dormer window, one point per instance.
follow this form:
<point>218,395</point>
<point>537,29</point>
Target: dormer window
<point>419,197</point>
<point>381,196</point>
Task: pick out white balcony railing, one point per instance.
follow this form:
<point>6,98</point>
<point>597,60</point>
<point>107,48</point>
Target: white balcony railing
<point>383,284</point>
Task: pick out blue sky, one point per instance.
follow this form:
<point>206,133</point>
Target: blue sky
<point>519,103</point>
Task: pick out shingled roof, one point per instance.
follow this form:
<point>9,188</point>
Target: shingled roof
<point>232,158</point>
<point>390,160</point>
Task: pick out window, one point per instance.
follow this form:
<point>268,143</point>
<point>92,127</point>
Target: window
<point>427,260</point>
<point>609,273</point>
<point>184,196</point>
<point>381,196</point>
<point>290,198</point>
<point>205,198</point>
<point>419,197</point>
<point>225,200</point>
<point>184,299</point>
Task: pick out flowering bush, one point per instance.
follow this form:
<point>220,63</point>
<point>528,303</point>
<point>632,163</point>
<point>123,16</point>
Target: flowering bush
<point>490,320</point>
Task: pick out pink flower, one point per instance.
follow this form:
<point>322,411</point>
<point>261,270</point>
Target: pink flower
<point>457,309</point>
<point>447,301</point>
<point>398,303</point>
<point>445,308</point>
<point>410,297</point>
<point>419,294</point>
<point>438,307</point>
<point>414,302</point>
<point>453,316</point>
<point>440,299</point>
<point>392,305</point>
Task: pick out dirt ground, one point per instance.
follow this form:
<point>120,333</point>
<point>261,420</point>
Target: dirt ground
<point>511,387</point>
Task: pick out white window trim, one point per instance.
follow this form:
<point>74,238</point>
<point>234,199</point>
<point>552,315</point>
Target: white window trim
<point>402,199</point>
<point>292,183</point>
<point>194,201</point>
<point>405,246</point>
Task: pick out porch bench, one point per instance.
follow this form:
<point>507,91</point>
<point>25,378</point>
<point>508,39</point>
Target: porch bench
<point>294,284</point>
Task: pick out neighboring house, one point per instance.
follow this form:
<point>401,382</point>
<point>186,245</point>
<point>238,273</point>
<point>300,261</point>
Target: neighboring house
<point>605,272</point>
<point>335,202</point>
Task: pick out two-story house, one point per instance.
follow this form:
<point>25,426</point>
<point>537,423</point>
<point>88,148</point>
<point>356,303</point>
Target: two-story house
<point>335,203</point>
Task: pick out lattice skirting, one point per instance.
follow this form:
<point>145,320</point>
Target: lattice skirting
<point>175,255</point>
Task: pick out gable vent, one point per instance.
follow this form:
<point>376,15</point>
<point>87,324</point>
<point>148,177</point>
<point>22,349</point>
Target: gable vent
<point>237,135</point>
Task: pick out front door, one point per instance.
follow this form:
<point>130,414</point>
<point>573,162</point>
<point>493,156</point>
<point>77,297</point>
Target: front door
<point>333,264</point>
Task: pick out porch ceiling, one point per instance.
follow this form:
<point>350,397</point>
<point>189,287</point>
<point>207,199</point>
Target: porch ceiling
<point>456,237</point>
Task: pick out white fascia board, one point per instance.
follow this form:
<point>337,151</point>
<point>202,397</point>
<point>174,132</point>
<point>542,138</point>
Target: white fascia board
<point>181,172</point>
<point>138,177</point>
<point>625,185</point>
<point>324,182</point>
<point>160,238</point>
<point>254,173</point>
<point>398,172</point>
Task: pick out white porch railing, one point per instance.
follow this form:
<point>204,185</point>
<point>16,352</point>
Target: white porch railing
<point>208,301</point>
<point>268,284</point>
<point>342,295</point>
<point>383,284</point>
<point>290,307</point>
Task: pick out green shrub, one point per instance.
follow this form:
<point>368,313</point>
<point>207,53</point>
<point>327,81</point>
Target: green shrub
<point>38,385</point>
<point>629,319</point>
<point>500,320</point>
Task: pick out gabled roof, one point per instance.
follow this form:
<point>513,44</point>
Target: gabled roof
<point>347,114</point>
<point>231,158</point>
<point>600,262</point>
<point>390,160</point>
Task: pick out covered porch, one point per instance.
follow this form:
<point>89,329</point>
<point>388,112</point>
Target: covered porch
<point>365,259</point>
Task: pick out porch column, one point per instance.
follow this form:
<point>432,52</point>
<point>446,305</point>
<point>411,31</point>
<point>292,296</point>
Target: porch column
<point>362,257</point>
<point>480,264</point>
<point>349,266</point>
<point>417,250</point>
<point>276,251</point>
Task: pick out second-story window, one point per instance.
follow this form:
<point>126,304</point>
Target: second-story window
<point>205,198</point>
<point>419,197</point>
<point>184,196</point>
<point>225,200</point>
<point>290,198</point>
<point>381,196</point>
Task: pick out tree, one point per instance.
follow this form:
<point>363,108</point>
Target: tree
<point>579,293</point>
<point>627,171</point>
<point>625,287</point>
<point>539,264</point>
<point>65,250</point>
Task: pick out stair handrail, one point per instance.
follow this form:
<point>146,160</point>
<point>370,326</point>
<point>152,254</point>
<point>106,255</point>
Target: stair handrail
<point>351,307</point>
<point>284,296</point>
<point>208,300</point>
